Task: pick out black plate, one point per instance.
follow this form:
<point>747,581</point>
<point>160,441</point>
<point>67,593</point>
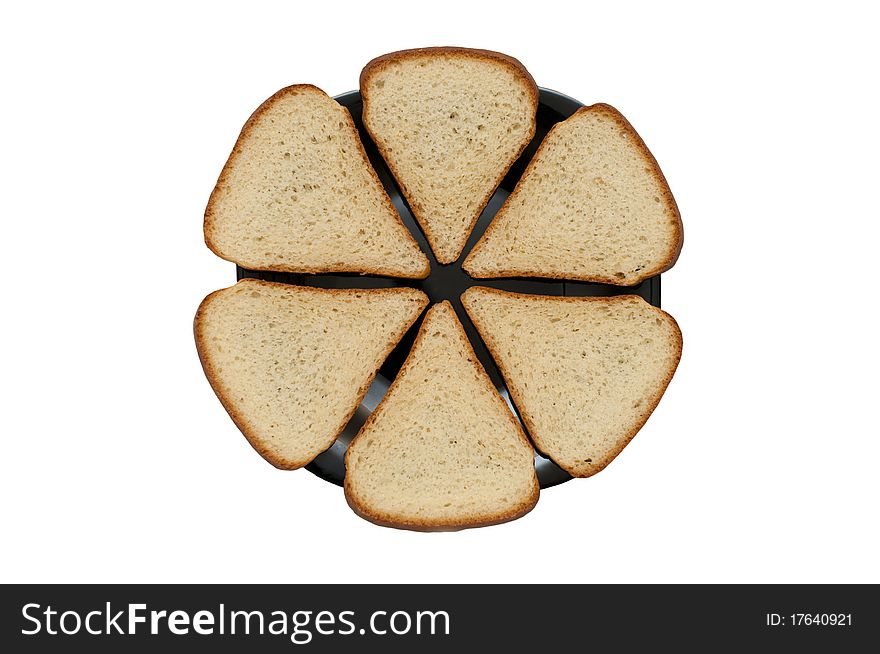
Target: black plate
<point>448,282</point>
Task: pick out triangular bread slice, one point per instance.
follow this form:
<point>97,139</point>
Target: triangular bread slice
<point>298,194</point>
<point>449,122</point>
<point>592,205</point>
<point>291,363</point>
<point>585,373</point>
<point>442,450</point>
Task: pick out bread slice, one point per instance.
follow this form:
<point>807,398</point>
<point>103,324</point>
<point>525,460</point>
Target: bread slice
<point>584,372</point>
<point>449,122</point>
<point>298,194</point>
<point>291,364</point>
<point>442,450</point>
<point>592,205</point>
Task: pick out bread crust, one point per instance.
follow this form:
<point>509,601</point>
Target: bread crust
<point>671,207</point>
<point>386,520</point>
<point>291,268</point>
<point>382,62</point>
<point>241,421</point>
<point>516,396</point>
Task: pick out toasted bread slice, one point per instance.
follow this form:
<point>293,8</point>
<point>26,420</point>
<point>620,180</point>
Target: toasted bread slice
<point>585,373</point>
<point>291,363</point>
<point>442,450</point>
<point>450,122</point>
<point>298,194</point>
<point>592,205</point>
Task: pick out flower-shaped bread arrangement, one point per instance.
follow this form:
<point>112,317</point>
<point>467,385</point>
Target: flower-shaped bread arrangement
<point>573,373</point>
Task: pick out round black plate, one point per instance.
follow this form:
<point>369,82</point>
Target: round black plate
<point>448,282</point>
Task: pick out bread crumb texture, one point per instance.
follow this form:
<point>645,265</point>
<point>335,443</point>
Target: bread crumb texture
<point>291,363</point>
<point>593,205</point>
<point>585,373</point>
<point>442,450</point>
<point>450,124</point>
<point>298,194</point>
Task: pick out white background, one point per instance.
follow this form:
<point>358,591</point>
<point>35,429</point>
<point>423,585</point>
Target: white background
<point>118,462</point>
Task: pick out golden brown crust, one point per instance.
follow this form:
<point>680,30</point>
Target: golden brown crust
<point>240,420</point>
<point>386,520</point>
<point>383,521</point>
<point>514,390</point>
<point>671,206</point>
<point>292,268</point>
<point>384,61</point>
